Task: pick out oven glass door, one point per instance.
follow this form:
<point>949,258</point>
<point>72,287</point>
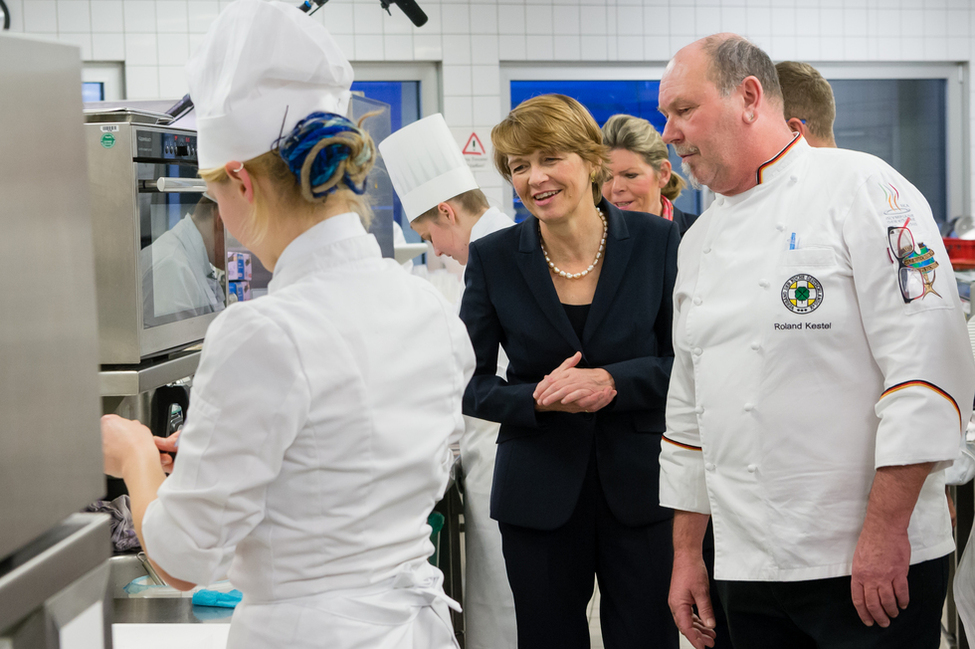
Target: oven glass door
<point>182,256</point>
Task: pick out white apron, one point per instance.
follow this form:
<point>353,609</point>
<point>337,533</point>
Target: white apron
<point>489,609</point>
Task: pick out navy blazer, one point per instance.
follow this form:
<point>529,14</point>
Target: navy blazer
<point>542,456</point>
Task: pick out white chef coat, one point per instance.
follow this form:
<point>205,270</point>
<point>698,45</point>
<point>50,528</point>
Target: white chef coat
<point>799,368</point>
<point>177,277</point>
<point>306,467</point>
<point>489,608</point>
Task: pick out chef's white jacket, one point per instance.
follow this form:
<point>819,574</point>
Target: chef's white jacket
<point>489,608</point>
<point>315,447</point>
<point>800,367</point>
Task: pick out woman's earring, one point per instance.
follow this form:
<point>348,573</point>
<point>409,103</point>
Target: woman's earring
<point>239,169</point>
<point>592,177</point>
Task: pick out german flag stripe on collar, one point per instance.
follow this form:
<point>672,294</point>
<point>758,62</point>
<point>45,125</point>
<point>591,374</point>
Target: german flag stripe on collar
<point>687,447</point>
<point>764,166</point>
<point>930,386</point>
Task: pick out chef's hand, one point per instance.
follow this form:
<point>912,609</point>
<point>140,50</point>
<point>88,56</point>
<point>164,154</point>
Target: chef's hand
<point>689,588</point>
<point>879,581</point>
<point>883,554</point>
<point>167,445</point>
<point>571,389</point>
<point>123,441</point>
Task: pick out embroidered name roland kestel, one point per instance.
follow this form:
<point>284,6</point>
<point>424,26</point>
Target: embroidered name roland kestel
<point>798,326</point>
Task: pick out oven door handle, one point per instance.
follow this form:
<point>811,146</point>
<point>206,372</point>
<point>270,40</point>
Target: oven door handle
<point>170,185</point>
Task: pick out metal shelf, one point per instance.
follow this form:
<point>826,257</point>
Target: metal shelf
<point>128,382</point>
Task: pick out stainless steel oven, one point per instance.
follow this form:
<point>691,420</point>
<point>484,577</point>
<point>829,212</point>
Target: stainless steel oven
<point>160,258</point>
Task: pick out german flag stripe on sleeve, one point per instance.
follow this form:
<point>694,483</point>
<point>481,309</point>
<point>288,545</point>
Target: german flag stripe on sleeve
<point>684,446</point>
<point>930,386</point>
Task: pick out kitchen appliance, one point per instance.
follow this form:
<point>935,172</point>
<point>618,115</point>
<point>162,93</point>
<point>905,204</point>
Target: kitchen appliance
<point>159,245</point>
<point>53,562</point>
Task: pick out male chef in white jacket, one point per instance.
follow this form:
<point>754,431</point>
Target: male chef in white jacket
<point>821,380</point>
<point>447,208</point>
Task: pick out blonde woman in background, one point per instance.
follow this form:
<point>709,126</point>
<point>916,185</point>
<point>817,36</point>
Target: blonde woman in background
<point>641,177</point>
<point>317,439</point>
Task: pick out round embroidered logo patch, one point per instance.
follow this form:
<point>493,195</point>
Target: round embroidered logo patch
<point>802,294</point>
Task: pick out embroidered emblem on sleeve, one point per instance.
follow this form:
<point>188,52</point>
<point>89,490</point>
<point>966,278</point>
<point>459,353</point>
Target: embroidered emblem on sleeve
<point>894,200</point>
<point>802,294</point>
<point>916,264</point>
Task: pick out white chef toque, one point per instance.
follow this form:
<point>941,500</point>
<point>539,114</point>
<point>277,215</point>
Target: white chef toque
<point>425,165</point>
<point>262,67</point>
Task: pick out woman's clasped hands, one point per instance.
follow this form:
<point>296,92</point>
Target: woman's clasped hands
<point>573,389</point>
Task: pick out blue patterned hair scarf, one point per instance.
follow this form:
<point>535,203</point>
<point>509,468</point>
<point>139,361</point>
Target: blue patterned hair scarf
<point>304,140</point>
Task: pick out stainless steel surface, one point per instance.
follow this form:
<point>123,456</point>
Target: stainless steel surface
<point>50,462</point>
<point>122,382</point>
<point>168,610</point>
<point>181,185</point>
<point>123,568</point>
<point>131,115</point>
<point>115,220</point>
<point>52,563</point>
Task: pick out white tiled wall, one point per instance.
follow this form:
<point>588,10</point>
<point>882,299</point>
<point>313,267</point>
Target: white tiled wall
<point>472,37</point>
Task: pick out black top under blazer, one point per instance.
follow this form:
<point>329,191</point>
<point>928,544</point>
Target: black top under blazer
<point>542,456</point>
<point>683,220</point>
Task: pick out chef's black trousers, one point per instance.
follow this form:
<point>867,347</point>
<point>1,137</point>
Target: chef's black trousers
<point>819,614</point>
<point>551,578</point>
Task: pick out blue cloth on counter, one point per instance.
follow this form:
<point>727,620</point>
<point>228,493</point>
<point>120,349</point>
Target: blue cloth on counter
<point>215,598</point>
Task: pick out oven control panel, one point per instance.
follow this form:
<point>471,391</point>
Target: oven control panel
<point>160,145</point>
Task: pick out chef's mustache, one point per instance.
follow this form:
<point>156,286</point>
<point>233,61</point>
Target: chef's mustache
<point>683,151</point>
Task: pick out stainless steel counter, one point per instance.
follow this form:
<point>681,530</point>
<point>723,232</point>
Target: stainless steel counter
<point>168,610</point>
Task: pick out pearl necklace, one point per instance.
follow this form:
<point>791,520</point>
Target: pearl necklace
<point>561,273</point>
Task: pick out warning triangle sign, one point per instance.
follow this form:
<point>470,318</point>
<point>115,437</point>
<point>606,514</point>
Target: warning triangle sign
<point>473,146</point>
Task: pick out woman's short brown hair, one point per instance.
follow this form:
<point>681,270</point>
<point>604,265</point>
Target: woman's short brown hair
<point>638,136</point>
<point>551,123</point>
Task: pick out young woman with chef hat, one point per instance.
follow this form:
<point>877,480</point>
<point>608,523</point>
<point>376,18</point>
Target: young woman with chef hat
<point>317,439</point>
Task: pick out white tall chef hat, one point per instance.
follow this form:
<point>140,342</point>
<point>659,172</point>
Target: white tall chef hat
<point>262,68</point>
<point>425,165</point>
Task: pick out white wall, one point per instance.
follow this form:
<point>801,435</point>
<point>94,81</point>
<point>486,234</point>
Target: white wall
<point>472,37</point>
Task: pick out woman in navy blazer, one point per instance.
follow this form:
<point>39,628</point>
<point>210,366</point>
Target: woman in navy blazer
<point>582,405</point>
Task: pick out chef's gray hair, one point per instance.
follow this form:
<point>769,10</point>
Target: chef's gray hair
<point>734,58</point>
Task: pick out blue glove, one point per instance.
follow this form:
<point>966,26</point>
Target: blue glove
<point>214,598</point>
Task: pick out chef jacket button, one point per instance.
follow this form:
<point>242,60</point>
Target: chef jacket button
<point>756,345</point>
<point>780,227</point>
<point>752,468</point>
<point>697,301</point>
<point>699,410</point>
<point>764,283</point>
<point>706,250</point>
<point>698,351</point>
<point>793,179</point>
<point>709,466</point>
<point>749,407</point>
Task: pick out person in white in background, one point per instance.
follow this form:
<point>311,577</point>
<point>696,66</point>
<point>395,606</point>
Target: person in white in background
<point>821,381</point>
<point>317,440</point>
<point>179,279</point>
<point>445,207</point>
